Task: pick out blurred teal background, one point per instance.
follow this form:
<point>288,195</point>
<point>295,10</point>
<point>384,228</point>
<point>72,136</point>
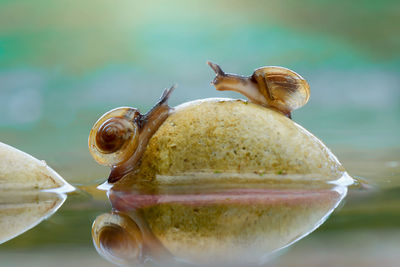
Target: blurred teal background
<point>65,63</point>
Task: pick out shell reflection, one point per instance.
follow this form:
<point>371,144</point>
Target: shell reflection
<point>118,238</point>
<point>211,224</point>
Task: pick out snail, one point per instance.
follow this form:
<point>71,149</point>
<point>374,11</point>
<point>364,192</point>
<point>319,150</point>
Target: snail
<point>273,87</point>
<point>119,138</point>
<point>253,139</point>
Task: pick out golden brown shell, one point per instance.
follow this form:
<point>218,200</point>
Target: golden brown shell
<point>284,89</point>
<point>114,137</point>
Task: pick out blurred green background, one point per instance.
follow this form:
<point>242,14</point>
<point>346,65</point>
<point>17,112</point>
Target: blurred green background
<point>65,63</point>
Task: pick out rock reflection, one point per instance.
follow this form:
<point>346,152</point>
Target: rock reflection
<point>22,210</point>
<point>235,224</point>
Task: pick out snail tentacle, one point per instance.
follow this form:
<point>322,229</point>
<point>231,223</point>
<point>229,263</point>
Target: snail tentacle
<point>161,105</point>
<point>216,68</point>
<point>240,84</point>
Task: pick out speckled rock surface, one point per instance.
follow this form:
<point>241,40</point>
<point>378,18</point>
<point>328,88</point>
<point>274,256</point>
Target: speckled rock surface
<point>18,170</point>
<point>226,136</point>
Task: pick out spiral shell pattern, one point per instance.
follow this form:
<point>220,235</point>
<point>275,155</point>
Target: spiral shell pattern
<point>114,137</point>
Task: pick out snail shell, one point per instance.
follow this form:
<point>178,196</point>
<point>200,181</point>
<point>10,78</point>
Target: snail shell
<point>114,137</point>
<point>118,239</point>
<point>283,89</point>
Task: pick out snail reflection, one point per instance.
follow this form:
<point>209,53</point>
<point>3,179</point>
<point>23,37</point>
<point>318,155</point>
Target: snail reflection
<point>224,224</point>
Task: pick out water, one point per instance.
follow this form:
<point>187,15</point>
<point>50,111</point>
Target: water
<point>179,225</point>
<point>228,225</point>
